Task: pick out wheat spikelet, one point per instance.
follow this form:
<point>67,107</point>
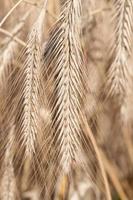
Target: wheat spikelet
<point>119,72</point>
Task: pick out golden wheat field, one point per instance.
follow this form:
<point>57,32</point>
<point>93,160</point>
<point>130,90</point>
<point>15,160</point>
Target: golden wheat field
<point>66,99</point>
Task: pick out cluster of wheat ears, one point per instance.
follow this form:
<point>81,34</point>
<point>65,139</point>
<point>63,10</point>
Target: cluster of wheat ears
<point>66,99</point>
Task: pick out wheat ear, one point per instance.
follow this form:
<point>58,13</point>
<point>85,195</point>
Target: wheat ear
<point>64,65</point>
<point>8,185</point>
<point>64,56</point>
<point>27,119</point>
<point>119,72</point>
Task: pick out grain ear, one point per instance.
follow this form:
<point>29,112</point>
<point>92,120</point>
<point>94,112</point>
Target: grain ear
<point>63,57</point>
<point>8,184</point>
<point>27,82</point>
<point>64,68</point>
<point>119,72</point>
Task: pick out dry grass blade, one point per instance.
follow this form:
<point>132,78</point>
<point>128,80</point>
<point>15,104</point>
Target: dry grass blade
<point>113,176</point>
<point>99,157</point>
<point>10,12</point>
<point>16,39</point>
<point>9,54</point>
